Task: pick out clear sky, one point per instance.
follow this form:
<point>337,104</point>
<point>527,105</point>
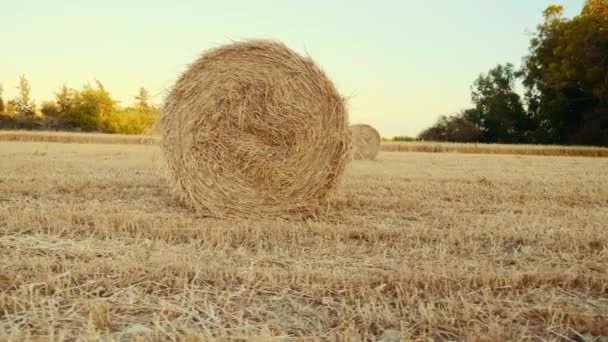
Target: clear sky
<point>401,63</point>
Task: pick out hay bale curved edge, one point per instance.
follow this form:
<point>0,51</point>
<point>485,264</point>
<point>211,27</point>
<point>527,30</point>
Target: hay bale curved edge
<point>253,128</point>
<point>366,142</point>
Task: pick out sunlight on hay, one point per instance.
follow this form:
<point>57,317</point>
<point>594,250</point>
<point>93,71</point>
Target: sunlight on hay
<point>366,142</point>
<point>254,128</point>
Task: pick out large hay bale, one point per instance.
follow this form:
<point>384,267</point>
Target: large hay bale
<point>254,128</point>
<point>366,142</point>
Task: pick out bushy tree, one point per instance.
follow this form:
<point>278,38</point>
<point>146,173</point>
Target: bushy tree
<point>49,109</point>
<point>455,128</point>
<point>10,108</point>
<point>500,114</point>
<point>593,7</point>
<point>65,98</point>
<point>129,121</point>
<point>566,80</point>
<point>498,117</point>
<point>133,120</point>
<point>565,77</point>
<point>404,138</point>
<point>89,108</point>
<point>23,103</point>
<point>143,101</point>
<point>1,100</point>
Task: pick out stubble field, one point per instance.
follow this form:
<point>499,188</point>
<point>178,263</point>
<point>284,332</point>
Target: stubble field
<point>441,246</point>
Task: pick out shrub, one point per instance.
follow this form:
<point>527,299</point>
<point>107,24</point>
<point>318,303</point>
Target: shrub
<point>129,121</point>
<point>404,138</point>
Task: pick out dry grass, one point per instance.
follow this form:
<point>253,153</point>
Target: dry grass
<point>252,128</point>
<point>386,146</point>
<point>76,138</point>
<point>441,246</point>
<point>472,148</point>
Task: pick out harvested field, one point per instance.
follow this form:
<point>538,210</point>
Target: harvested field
<point>76,138</point>
<point>386,146</point>
<point>471,148</point>
<point>441,246</point>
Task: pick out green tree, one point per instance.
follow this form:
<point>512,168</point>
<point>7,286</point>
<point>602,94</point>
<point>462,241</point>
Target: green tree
<point>1,100</point>
<point>402,138</point>
<point>128,121</point>
<point>455,128</point>
<point>566,76</point>
<point>593,7</point>
<point>90,108</point>
<point>64,99</point>
<point>143,101</point>
<point>10,109</point>
<point>499,112</point>
<point>498,116</point>
<point>23,103</point>
<point>49,109</point>
<point>137,120</point>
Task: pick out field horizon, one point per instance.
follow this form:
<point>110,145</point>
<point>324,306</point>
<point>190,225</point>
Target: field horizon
<point>386,146</point>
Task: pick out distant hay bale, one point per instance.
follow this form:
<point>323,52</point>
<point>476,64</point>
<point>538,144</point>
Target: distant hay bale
<point>254,128</point>
<point>366,142</point>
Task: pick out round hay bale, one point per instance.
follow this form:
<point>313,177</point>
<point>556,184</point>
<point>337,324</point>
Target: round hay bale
<point>366,142</point>
<point>253,128</point>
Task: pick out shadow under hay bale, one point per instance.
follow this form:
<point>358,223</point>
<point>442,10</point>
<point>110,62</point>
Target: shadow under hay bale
<point>252,128</point>
<point>366,142</point>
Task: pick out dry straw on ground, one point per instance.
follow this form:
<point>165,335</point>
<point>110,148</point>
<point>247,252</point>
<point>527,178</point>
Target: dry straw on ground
<point>513,149</point>
<point>366,141</point>
<point>254,128</point>
<point>74,137</point>
<point>439,246</point>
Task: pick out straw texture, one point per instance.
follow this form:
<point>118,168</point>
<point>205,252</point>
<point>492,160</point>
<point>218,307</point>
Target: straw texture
<point>252,128</point>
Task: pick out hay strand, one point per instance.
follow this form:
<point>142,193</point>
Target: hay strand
<point>252,128</point>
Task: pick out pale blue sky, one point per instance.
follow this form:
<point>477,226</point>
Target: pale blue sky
<point>401,63</point>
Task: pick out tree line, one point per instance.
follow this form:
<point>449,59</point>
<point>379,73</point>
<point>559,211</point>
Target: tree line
<point>565,77</point>
<point>90,108</point>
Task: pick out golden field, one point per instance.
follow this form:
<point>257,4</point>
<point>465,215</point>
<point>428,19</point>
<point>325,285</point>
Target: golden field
<point>387,146</point>
<point>437,246</point>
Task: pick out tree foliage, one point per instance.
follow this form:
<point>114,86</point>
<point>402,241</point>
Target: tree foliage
<point>499,112</point>
<point>1,100</point>
<point>596,7</point>
<point>23,103</point>
<point>456,128</point>
<point>565,77</point>
<point>90,108</point>
<point>143,101</point>
<point>498,115</point>
<point>65,99</point>
<point>49,109</point>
